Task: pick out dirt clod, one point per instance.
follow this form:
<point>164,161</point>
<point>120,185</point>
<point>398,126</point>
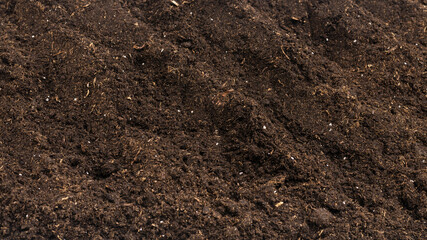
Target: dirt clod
<point>321,217</point>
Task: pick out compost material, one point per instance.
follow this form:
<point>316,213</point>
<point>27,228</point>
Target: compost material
<point>238,119</point>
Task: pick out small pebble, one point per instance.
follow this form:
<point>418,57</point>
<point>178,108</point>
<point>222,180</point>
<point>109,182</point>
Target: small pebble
<point>264,127</point>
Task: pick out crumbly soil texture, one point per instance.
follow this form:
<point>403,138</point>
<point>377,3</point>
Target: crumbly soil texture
<point>213,119</point>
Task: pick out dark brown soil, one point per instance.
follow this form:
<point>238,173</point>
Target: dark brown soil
<point>160,119</point>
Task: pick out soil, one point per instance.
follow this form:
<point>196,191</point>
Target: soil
<point>238,119</point>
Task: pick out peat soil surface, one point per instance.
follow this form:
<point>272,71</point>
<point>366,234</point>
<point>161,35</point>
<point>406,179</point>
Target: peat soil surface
<point>214,119</point>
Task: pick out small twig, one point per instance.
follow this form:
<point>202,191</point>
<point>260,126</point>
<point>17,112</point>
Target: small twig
<point>283,51</point>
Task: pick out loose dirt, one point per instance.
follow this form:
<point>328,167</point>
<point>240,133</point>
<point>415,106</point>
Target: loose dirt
<point>158,119</point>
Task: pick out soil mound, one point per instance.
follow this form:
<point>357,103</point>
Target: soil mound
<point>239,119</point>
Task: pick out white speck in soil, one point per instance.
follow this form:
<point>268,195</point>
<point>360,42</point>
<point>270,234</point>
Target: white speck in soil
<point>20,174</point>
<point>217,144</point>
<point>264,127</point>
<point>330,124</point>
<point>240,173</point>
<point>75,99</point>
